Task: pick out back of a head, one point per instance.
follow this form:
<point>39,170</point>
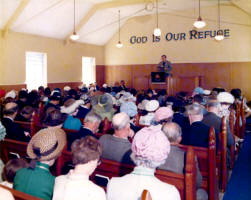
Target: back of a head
<point>236,93</point>
<point>198,98</point>
<point>92,118</point>
<point>172,131</point>
<point>11,167</point>
<point>10,109</point>
<point>194,109</point>
<point>85,150</point>
<point>213,104</point>
<point>27,110</point>
<point>120,121</point>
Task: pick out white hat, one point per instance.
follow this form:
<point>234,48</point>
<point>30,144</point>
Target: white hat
<point>142,105</point>
<point>11,94</point>
<point>206,92</point>
<point>225,97</point>
<point>67,88</point>
<point>71,108</point>
<point>152,105</point>
<point>105,85</point>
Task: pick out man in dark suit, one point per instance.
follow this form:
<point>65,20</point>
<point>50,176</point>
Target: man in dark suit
<point>211,118</point>
<point>176,158</point>
<point>91,125</point>
<point>14,131</point>
<point>198,133</point>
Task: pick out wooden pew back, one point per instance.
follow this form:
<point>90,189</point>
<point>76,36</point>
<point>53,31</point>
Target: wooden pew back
<point>20,195</point>
<point>207,165</point>
<point>185,183</point>
<point>8,145</point>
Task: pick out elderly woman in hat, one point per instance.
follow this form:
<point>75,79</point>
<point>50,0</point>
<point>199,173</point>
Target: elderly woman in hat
<point>163,115</point>
<point>76,184</point>
<point>151,106</point>
<point>150,149</point>
<point>44,148</point>
<point>70,108</point>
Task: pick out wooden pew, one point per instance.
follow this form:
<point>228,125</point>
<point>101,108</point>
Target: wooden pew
<point>14,146</point>
<point>207,165</point>
<point>185,183</point>
<point>20,195</point>
<point>232,129</point>
<point>146,195</point>
<point>222,156</point>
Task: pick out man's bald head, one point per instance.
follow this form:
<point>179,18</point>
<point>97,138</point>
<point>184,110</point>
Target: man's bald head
<point>172,132</point>
<point>10,109</point>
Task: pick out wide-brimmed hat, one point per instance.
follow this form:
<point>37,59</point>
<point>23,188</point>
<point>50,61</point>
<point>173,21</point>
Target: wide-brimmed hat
<point>102,103</point>
<point>46,144</point>
<point>152,105</point>
<point>71,105</point>
<point>163,113</point>
<point>129,108</point>
<point>225,97</point>
<point>142,105</point>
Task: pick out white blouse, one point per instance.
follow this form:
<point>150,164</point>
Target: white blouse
<point>76,187</point>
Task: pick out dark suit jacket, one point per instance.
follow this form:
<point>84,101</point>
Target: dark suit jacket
<point>211,119</point>
<point>175,162</point>
<point>14,131</point>
<point>83,132</point>
<point>196,135</point>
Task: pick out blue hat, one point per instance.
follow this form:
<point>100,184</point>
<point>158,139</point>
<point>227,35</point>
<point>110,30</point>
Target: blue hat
<point>198,90</point>
<point>129,108</point>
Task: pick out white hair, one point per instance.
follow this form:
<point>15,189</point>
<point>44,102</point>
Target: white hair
<point>93,118</point>
<point>120,121</point>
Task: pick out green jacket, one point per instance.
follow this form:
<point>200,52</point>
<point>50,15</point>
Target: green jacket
<point>37,182</point>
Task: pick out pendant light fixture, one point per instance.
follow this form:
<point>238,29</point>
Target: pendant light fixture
<point>119,44</point>
<point>219,36</point>
<point>74,35</point>
<point>199,23</point>
<point>157,31</point>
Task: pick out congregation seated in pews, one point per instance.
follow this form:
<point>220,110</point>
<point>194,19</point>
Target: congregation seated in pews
<point>176,147</point>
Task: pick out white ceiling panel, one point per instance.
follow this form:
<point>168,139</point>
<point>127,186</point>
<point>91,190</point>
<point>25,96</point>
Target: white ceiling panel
<point>51,18</point>
<point>54,18</point>
<point>7,8</point>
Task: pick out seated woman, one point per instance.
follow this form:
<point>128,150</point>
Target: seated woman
<point>76,184</point>
<point>150,149</point>
<point>151,106</point>
<point>70,108</point>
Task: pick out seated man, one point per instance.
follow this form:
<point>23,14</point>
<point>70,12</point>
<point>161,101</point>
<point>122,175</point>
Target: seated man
<point>197,133</point>
<point>14,131</point>
<point>117,146</point>
<point>91,125</point>
<point>211,118</point>
<point>175,162</point>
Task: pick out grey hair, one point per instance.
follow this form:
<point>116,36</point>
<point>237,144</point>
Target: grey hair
<point>215,104</point>
<point>120,121</point>
<point>92,117</point>
<point>194,109</point>
<point>140,161</point>
<point>172,131</point>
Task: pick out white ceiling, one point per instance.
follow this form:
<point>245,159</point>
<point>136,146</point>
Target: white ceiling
<point>54,18</point>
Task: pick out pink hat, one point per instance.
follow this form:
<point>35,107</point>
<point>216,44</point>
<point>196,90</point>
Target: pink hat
<point>151,143</point>
<point>163,113</point>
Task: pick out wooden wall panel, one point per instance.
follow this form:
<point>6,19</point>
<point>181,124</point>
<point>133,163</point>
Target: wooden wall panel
<point>226,75</point>
<point>12,87</point>
<point>100,74</point>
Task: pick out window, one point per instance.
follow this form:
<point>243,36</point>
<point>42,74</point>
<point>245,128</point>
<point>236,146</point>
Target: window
<point>88,70</point>
<point>36,70</point>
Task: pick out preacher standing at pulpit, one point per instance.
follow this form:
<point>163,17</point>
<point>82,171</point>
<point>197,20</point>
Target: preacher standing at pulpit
<point>165,66</point>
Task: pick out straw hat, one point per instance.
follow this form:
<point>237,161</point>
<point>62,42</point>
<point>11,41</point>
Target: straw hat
<point>152,105</point>
<point>46,144</point>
